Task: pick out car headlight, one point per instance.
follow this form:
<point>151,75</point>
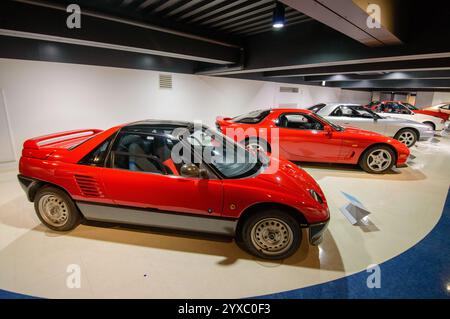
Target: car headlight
<point>316,196</point>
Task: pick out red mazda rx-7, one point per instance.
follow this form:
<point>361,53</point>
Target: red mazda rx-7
<point>148,173</point>
<point>305,136</point>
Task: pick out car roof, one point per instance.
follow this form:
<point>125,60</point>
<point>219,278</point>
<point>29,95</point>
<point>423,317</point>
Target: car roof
<point>329,107</point>
<point>291,110</point>
<point>146,124</point>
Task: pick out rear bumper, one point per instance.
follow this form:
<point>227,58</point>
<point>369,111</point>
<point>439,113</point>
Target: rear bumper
<point>316,232</point>
<point>29,185</point>
<point>440,127</point>
<point>426,135</point>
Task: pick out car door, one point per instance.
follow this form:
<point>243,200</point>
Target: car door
<point>304,138</point>
<point>141,173</point>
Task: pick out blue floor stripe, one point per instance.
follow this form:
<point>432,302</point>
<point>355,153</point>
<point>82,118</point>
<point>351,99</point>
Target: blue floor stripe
<point>422,271</point>
<point>12,295</point>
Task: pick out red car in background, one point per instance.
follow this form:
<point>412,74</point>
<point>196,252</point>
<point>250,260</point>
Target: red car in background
<point>129,174</point>
<point>435,113</point>
<point>305,136</point>
<point>374,105</point>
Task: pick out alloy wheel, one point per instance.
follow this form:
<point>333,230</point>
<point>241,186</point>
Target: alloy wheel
<point>407,138</point>
<point>379,160</point>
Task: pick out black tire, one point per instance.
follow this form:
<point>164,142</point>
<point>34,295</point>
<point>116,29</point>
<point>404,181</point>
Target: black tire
<point>286,232</point>
<point>403,136</point>
<point>262,144</point>
<point>430,124</point>
<point>63,206</point>
<point>366,163</point>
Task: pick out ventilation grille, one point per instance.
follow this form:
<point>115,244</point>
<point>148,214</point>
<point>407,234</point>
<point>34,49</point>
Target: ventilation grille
<point>88,186</point>
<point>288,89</point>
<point>165,81</point>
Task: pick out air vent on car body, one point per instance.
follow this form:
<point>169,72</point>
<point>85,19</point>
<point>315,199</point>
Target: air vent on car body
<point>89,187</point>
<point>165,81</point>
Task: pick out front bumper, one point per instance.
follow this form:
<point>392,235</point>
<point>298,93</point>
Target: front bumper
<point>426,135</point>
<point>316,232</point>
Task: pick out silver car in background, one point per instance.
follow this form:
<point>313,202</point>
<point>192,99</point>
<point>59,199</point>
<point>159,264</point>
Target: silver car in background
<point>346,114</point>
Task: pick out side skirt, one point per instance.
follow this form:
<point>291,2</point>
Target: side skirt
<point>154,218</point>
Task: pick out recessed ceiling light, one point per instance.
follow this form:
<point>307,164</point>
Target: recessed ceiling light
<point>278,19</point>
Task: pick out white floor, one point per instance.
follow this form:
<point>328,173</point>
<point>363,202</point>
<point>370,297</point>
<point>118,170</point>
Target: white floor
<point>117,262</point>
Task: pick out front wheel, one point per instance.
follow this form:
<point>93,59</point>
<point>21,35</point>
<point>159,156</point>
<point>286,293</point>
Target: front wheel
<point>377,160</point>
<point>407,137</point>
<point>55,209</point>
<point>257,145</point>
<point>271,234</point>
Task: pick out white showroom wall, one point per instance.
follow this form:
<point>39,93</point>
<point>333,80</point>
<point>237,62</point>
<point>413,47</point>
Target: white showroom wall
<point>45,97</point>
<point>441,97</point>
<point>424,99</point>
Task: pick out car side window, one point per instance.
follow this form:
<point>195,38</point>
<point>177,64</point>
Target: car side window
<point>445,107</point>
<point>344,111</point>
<point>299,122</point>
<point>141,152</point>
<point>97,156</point>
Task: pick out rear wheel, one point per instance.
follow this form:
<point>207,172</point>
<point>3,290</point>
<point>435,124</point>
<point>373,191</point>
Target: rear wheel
<point>55,209</point>
<point>406,136</point>
<point>271,234</point>
<point>377,160</point>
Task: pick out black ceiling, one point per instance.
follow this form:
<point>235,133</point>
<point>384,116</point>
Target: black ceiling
<point>229,38</point>
<point>226,18</point>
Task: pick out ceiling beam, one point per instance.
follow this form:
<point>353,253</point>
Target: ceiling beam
<point>350,18</point>
<point>438,74</point>
<point>389,66</point>
<point>392,84</point>
<point>48,23</point>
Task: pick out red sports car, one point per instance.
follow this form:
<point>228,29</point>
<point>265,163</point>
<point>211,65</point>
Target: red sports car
<point>305,136</point>
<point>427,111</point>
<point>134,174</point>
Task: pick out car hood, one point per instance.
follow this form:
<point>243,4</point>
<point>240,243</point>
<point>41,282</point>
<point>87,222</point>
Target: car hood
<point>357,131</point>
<point>289,176</point>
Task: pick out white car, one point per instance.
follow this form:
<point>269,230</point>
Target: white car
<point>398,110</point>
<point>343,114</point>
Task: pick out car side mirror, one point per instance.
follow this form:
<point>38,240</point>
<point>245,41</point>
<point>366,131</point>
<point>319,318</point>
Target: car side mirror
<point>328,131</point>
<point>193,171</point>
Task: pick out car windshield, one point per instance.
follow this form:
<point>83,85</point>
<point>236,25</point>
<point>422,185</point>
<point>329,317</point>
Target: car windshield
<point>334,126</point>
<point>228,158</point>
<point>316,108</point>
<point>361,111</point>
<point>410,106</point>
<point>252,117</point>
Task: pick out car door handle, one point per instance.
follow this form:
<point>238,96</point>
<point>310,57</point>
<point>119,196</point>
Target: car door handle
<point>346,122</point>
